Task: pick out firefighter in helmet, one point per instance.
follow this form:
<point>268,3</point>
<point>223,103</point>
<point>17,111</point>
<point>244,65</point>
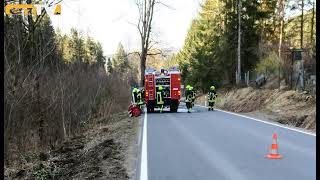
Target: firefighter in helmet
<point>134,94</point>
<point>212,95</point>
<point>189,97</point>
<point>160,96</point>
<point>137,97</point>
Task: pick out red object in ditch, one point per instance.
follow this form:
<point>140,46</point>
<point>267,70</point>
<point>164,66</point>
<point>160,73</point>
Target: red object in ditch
<point>135,111</point>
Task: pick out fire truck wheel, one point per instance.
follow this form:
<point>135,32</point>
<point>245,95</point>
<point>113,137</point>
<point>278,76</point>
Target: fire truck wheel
<point>150,109</point>
<point>174,108</point>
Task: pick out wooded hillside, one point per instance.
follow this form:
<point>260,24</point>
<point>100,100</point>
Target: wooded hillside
<point>209,54</point>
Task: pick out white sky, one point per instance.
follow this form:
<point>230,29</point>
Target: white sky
<point>108,21</point>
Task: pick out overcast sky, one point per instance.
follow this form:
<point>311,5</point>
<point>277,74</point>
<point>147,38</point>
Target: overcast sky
<point>108,21</point>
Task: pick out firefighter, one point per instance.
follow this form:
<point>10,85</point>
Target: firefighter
<point>193,92</point>
<point>135,95</point>
<point>139,98</point>
<point>189,96</point>
<point>143,94</point>
<point>212,95</point>
<point>160,95</point>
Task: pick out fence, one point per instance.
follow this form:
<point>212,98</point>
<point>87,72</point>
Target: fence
<point>295,77</point>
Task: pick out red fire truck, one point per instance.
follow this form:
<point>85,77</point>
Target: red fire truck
<point>170,81</point>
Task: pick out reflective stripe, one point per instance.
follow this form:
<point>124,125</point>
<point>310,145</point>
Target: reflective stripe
<point>189,98</point>
<point>211,97</point>
<point>159,98</point>
<point>133,98</point>
<point>139,99</point>
<point>274,146</point>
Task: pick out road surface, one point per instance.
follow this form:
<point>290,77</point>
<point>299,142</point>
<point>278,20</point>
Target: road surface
<point>215,145</point>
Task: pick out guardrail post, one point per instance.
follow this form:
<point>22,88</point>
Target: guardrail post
<point>205,101</point>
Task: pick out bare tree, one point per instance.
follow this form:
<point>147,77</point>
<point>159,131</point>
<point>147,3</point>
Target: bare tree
<point>144,26</point>
<point>146,9</point>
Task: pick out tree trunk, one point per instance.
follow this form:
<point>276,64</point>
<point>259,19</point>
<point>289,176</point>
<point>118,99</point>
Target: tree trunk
<point>301,30</point>
<point>239,43</point>
<point>33,55</point>
<point>142,67</point>
<point>146,16</point>
<point>281,16</point>
<point>312,24</point>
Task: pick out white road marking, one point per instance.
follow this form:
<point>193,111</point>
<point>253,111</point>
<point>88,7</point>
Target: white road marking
<point>184,110</point>
<point>144,152</point>
<point>140,136</point>
<point>266,122</point>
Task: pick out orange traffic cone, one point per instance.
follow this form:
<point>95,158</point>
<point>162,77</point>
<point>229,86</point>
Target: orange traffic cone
<point>274,149</point>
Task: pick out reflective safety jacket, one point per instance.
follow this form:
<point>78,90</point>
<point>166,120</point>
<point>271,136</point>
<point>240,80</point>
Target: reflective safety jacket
<point>139,98</point>
<point>135,95</point>
<point>160,96</point>
<point>193,96</point>
<point>189,96</point>
<point>212,96</point>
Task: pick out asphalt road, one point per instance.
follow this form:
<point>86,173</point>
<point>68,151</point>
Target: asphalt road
<point>219,146</point>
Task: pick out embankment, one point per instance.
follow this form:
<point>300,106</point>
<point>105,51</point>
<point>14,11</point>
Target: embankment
<point>286,107</point>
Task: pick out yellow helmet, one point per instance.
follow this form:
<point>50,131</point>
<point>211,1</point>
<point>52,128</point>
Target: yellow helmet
<point>160,88</point>
<point>212,88</point>
<point>135,89</point>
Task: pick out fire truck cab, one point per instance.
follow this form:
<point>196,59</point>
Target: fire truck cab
<point>170,81</point>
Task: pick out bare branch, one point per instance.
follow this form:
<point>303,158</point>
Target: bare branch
<point>135,52</point>
<point>153,54</point>
<point>140,17</point>
<point>54,2</point>
<point>166,5</point>
<point>153,44</point>
<point>156,53</point>
<point>131,23</point>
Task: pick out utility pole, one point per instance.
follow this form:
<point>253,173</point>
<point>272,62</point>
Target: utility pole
<point>281,16</point>
<point>239,43</point>
<point>301,73</point>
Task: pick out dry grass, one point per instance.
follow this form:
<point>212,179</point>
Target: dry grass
<point>64,101</point>
<point>106,150</point>
<point>287,107</point>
